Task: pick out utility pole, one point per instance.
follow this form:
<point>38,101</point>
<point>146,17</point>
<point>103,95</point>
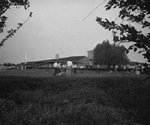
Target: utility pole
<point>114,36</point>
<point>32,61</point>
<point>25,59</point>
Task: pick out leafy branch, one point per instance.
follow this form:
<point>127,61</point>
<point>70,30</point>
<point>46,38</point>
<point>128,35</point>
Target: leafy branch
<point>11,32</point>
<point>4,6</point>
<point>135,11</point>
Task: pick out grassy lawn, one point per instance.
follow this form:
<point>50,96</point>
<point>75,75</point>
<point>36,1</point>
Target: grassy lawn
<point>49,73</point>
<point>28,72</point>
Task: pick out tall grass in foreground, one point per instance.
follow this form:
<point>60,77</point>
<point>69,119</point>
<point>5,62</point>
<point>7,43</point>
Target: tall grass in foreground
<point>74,101</point>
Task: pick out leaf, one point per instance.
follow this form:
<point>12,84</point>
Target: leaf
<point>127,51</point>
<point>1,44</point>
<point>140,51</point>
<point>3,18</point>
<point>131,47</point>
<point>135,49</point>
<point>114,6</point>
<point>133,9</point>
<point>1,30</point>
<point>31,14</point>
<point>25,7</point>
<point>108,8</point>
<point>20,24</point>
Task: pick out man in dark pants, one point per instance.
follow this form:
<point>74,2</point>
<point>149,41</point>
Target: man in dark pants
<point>74,68</point>
<point>55,65</point>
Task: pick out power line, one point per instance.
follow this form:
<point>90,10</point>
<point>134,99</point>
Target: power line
<point>94,10</point>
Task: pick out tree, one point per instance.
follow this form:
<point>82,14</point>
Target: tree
<point>107,54</point>
<point>133,12</point>
<point>4,6</point>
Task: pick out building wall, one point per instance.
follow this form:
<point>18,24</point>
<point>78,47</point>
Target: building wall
<point>90,55</point>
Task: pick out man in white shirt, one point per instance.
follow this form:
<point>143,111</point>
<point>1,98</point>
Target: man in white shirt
<point>55,65</point>
<point>69,67</point>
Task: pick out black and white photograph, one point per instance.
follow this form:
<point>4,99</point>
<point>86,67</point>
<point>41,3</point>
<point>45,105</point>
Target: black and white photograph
<point>74,62</point>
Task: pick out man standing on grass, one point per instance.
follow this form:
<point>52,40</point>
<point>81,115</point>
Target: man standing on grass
<point>69,67</point>
<point>74,68</point>
<point>55,65</point>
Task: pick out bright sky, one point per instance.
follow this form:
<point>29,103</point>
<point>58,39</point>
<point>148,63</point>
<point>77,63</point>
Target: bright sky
<point>56,27</point>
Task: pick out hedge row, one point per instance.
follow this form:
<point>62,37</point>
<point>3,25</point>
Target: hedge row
<point>69,101</point>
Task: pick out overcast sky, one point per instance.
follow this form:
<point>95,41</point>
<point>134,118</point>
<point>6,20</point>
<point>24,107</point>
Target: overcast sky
<point>56,27</point>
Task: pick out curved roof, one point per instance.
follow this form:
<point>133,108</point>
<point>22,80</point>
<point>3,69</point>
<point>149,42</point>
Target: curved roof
<point>74,59</point>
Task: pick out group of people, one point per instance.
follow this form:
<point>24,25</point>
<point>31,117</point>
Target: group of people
<point>64,68</point>
<point>137,68</point>
<point>140,69</point>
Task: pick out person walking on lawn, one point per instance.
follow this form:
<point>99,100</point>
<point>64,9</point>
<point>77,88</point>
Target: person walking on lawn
<point>69,67</point>
<point>74,68</point>
<point>55,65</point>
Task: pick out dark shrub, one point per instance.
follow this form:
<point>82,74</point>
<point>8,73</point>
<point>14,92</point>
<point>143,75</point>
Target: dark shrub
<point>6,107</point>
<point>53,98</point>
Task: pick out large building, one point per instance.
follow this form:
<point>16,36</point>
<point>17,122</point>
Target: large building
<point>78,60</point>
<point>90,55</point>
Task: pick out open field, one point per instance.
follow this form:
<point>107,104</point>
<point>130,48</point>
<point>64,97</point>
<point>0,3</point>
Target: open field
<point>28,72</point>
<point>49,73</point>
